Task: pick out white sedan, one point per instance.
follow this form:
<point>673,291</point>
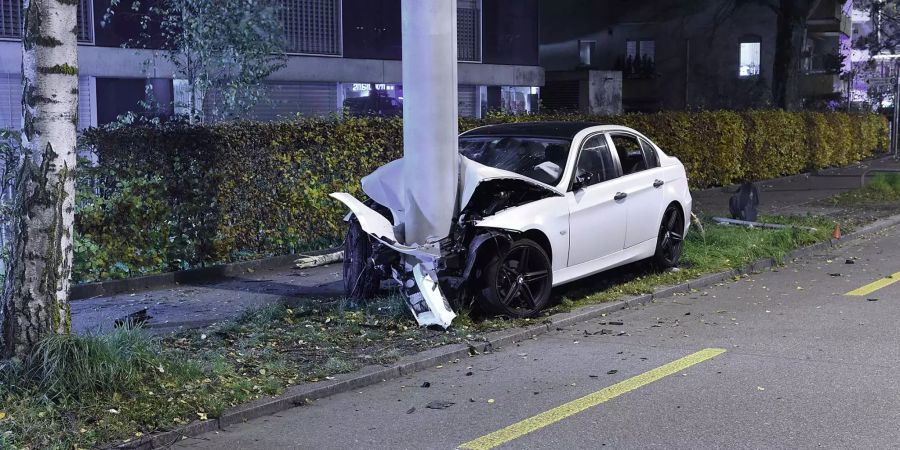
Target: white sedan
<point>540,204</point>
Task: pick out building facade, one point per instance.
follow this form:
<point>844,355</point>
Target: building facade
<point>341,55</point>
<point>674,54</point>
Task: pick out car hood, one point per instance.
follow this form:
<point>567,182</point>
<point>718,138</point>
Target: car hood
<point>386,184</point>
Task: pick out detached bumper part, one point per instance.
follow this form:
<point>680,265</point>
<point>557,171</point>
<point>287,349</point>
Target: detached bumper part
<point>426,301</point>
<point>424,296</point>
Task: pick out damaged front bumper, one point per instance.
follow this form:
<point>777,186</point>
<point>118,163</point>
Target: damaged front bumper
<point>422,292</point>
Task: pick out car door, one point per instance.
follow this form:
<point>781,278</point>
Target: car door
<point>596,218</point>
<point>641,187</point>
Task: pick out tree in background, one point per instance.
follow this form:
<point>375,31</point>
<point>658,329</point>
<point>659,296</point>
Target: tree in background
<point>791,32</point>
<point>885,34</point>
<point>35,300</point>
<point>222,49</point>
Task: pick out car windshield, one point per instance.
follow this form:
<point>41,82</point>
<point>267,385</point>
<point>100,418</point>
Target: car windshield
<point>542,159</point>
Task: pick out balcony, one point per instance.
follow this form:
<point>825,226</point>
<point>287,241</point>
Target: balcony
<point>819,84</point>
<point>830,18</point>
<point>11,20</point>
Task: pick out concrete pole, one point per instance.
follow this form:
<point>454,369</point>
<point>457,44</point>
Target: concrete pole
<point>430,149</point>
<point>895,123</point>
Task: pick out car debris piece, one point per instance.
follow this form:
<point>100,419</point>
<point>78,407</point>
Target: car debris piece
<point>751,224</point>
<point>743,203</point>
<point>135,319</point>
<point>439,404</point>
<point>307,261</point>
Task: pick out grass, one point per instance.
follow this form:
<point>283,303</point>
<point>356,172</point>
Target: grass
<point>88,390</point>
<point>883,188</point>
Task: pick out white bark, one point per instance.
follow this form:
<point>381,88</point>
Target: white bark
<point>35,297</point>
<point>430,149</point>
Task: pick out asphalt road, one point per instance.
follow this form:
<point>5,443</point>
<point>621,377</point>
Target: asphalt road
<point>786,360</point>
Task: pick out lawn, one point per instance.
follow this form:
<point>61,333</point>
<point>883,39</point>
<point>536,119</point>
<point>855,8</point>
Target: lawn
<point>84,391</point>
<point>883,188</point>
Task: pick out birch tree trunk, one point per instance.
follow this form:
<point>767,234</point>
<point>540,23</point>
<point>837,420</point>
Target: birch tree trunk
<point>35,297</point>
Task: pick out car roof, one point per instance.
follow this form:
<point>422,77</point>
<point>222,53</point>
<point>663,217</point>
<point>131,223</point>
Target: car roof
<point>560,130</point>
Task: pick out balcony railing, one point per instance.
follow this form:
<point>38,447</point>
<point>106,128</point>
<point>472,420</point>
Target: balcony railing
<point>11,20</point>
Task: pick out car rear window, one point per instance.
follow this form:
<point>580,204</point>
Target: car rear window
<point>542,159</point>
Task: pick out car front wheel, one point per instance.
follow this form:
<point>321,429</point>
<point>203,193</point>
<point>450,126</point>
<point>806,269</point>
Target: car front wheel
<point>361,281</point>
<point>517,282</point>
<point>670,242</point>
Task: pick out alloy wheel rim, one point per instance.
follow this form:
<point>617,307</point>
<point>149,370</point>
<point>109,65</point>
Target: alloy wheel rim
<point>670,235</point>
<point>522,279</point>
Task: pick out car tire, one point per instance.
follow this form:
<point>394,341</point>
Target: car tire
<point>509,289</point>
<point>670,241</point>
<point>361,280</point>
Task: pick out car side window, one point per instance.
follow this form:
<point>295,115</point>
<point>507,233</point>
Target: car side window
<point>595,162</point>
<point>650,154</point>
<point>631,155</point>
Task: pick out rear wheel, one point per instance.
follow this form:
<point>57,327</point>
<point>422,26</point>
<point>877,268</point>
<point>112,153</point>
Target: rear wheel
<point>517,282</point>
<point>361,281</point>
<point>670,242</point>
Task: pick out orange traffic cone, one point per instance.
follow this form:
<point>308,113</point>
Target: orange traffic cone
<point>836,234</point>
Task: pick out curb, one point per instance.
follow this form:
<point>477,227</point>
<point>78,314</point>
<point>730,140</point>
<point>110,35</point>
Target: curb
<point>199,275</point>
<point>303,394</point>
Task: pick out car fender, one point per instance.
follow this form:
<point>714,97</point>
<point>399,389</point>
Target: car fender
<point>482,240</point>
<point>549,216</point>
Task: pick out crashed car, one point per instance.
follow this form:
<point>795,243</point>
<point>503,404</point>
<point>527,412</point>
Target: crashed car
<point>538,205</point>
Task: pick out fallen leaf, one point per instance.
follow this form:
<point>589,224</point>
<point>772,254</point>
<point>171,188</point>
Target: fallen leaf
<point>2,415</point>
<point>490,401</point>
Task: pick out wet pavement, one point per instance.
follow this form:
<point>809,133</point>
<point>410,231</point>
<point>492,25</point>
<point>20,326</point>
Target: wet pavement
<point>781,359</point>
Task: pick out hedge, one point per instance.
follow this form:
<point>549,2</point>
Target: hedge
<point>171,196</point>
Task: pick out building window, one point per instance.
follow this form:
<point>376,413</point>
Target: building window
<point>312,26</point>
<point>585,51</point>
<point>640,58</point>
<point>519,99</point>
<point>11,20</point>
<point>749,59</point>
<point>468,30</point>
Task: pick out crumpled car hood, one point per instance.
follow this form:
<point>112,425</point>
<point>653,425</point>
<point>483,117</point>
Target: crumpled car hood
<point>386,184</point>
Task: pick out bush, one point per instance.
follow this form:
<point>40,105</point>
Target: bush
<point>172,196</point>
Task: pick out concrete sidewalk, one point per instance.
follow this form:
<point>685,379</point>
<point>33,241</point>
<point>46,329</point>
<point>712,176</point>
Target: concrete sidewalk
<point>198,305</point>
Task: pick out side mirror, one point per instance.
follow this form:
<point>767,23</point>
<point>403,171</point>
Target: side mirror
<point>582,180</point>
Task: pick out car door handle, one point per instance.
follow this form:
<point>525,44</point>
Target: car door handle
<point>658,183</point>
<point>620,196</point>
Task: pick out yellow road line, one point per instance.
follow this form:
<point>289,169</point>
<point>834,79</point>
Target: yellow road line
<point>561,412</point>
<point>874,286</point>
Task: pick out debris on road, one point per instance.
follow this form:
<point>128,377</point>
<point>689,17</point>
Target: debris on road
<point>134,319</point>
<point>305,261</point>
<point>612,372</point>
<point>426,384</point>
<point>439,404</point>
<point>749,224</point>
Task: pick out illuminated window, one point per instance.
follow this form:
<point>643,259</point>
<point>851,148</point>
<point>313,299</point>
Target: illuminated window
<point>749,59</point>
